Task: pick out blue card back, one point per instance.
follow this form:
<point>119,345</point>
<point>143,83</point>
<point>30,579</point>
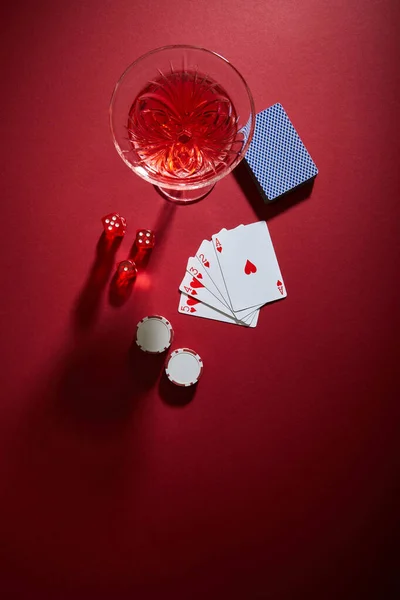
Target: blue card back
<point>276,156</point>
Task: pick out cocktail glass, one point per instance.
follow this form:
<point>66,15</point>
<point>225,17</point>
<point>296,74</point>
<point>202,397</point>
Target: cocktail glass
<point>182,118</point>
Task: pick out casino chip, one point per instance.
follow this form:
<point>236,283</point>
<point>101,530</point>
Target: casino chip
<point>184,367</point>
<point>154,334</point>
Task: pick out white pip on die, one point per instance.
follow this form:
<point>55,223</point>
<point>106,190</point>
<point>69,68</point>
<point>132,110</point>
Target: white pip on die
<point>145,239</point>
<point>114,225</point>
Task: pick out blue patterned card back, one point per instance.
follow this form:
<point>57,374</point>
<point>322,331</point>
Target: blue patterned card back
<point>276,155</point>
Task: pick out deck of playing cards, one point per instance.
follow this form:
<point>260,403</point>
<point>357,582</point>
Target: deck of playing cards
<point>232,276</point>
<point>277,158</point>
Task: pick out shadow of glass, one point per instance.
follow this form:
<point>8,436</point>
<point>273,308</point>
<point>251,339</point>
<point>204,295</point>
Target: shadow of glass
<point>95,387</point>
<point>75,460</point>
<point>88,302</point>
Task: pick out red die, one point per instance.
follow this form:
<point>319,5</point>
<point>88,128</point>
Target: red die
<point>126,271</point>
<point>145,239</point>
<point>114,225</point>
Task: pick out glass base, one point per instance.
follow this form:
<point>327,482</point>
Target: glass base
<point>186,196</point>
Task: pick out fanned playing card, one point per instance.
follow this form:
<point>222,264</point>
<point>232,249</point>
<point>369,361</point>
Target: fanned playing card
<point>249,266</point>
<point>209,262</point>
<point>196,269</point>
<point>195,287</point>
<point>232,276</point>
<point>193,307</point>
<point>191,286</point>
<point>243,313</point>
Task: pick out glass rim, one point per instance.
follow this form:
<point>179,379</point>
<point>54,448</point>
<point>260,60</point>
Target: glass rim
<point>182,185</point>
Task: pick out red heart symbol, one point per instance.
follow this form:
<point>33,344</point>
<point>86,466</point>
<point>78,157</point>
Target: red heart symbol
<point>249,268</point>
<point>199,276</point>
<point>219,248</point>
<point>279,282</point>
<point>196,284</point>
<point>207,264</point>
<point>192,309</point>
<point>191,301</point>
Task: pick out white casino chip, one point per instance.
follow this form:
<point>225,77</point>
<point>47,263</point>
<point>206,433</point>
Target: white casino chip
<point>154,334</point>
<point>184,367</point>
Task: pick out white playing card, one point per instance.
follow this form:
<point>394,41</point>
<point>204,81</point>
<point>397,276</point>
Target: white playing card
<point>208,260</point>
<point>194,287</point>
<point>254,319</point>
<point>197,270</point>
<point>208,293</point>
<point>246,312</point>
<point>249,266</point>
<point>191,286</point>
<point>207,257</point>
<point>193,307</point>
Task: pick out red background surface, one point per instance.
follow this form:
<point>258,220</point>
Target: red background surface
<point>277,477</point>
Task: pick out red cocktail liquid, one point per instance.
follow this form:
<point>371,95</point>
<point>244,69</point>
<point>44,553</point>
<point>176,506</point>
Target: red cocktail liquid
<point>183,127</point>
